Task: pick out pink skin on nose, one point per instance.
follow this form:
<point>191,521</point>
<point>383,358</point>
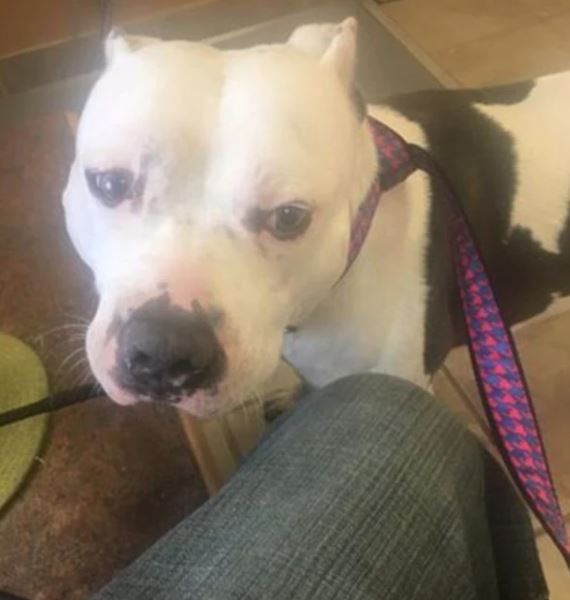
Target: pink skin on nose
<point>183,286</point>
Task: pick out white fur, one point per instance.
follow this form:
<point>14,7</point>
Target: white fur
<point>216,134</point>
<point>378,309</point>
<point>540,132</point>
<point>219,133</point>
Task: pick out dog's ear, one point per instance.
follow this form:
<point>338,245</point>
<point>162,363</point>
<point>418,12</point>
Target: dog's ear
<point>118,44</point>
<point>334,45</point>
<point>313,39</point>
<point>341,53</point>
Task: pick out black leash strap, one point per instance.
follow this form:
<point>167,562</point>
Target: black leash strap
<point>56,401</point>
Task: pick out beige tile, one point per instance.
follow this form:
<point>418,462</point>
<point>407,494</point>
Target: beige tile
<point>547,8</point>
<point>510,56</point>
<point>459,366</point>
<point>452,396</point>
<point>561,26</point>
<point>545,352</point>
<point>555,569</point>
<point>450,393</point>
<point>439,24</point>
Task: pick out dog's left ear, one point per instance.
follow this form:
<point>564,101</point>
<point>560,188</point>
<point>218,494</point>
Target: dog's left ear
<point>341,53</point>
<point>119,44</point>
<point>334,45</point>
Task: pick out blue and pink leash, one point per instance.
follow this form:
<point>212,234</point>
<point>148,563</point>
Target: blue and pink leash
<point>498,371</point>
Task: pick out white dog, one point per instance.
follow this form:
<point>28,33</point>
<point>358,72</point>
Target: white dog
<point>212,195</point>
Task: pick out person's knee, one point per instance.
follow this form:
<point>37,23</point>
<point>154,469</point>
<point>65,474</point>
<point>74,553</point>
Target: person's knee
<point>373,388</point>
<point>384,396</point>
<point>374,411</point>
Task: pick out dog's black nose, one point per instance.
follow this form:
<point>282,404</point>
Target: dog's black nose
<point>165,353</point>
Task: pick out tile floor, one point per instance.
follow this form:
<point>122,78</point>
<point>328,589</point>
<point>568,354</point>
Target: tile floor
<point>485,42</point>
<point>481,42</point>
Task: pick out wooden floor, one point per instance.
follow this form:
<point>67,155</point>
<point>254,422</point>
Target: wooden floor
<point>481,42</point>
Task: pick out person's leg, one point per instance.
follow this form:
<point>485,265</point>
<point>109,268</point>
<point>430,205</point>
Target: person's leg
<point>368,490</point>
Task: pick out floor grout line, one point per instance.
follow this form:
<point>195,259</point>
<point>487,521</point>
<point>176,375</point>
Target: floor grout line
<point>417,51</point>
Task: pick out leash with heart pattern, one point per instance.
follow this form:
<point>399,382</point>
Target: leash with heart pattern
<point>497,367</point>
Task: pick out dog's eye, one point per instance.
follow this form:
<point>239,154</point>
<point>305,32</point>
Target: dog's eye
<point>110,187</point>
<point>289,221</point>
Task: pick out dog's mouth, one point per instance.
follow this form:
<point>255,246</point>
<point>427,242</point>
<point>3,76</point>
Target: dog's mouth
<point>125,389</point>
<point>183,395</point>
<point>167,379</point>
<point>199,402</point>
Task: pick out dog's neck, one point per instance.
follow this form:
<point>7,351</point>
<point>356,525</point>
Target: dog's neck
<point>358,325</point>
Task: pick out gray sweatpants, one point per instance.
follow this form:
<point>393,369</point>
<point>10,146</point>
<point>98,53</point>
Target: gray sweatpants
<point>369,489</point>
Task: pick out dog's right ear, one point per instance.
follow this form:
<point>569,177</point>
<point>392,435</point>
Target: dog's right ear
<point>119,44</point>
<point>313,39</point>
<point>333,44</point>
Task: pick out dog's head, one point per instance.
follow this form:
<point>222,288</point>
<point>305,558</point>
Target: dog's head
<point>211,196</point>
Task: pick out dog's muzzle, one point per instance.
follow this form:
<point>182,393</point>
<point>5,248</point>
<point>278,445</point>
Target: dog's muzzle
<point>168,353</point>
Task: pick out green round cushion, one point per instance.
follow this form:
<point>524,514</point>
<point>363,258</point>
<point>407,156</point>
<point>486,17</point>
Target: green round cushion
<point>22,380</point>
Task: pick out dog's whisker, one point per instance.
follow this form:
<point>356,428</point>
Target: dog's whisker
<point>78,366</point>
<point>76,338</point>
<point>83,377</point>
<point>58,376</point>
<point>81,360</point>
<point>248,404</point>
<point>47,352</point>
<point>77,318</point>
<point>40,341</point>
<point>64,327</point>
<point>243,409</point>
<point>70,356</point>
